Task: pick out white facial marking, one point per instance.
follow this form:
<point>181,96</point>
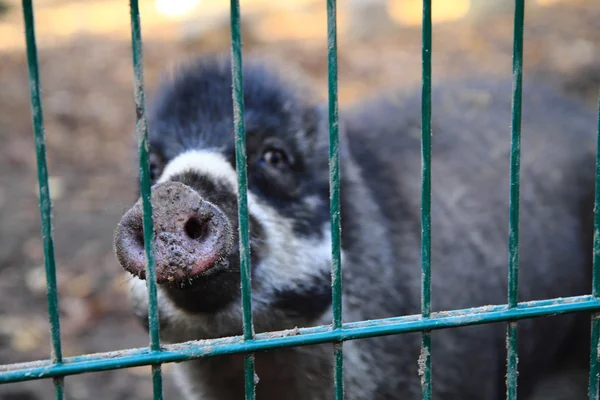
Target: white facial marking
<point>287,259</point>
<point>205,162</point>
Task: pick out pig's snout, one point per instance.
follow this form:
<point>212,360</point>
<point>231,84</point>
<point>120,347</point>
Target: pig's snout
<point>191,235</point>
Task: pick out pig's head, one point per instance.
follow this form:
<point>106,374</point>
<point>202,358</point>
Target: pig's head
<point>194,199</point>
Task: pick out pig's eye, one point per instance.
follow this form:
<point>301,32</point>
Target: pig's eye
<point>274,158</point>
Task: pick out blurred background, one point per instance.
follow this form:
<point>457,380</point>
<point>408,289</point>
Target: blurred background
<point>86,77</point>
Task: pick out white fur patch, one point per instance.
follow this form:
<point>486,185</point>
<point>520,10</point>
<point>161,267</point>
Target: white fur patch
<point>205,162</point>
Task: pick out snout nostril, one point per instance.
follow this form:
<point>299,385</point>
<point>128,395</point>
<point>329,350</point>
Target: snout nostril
<point>195,229</point>
<point>191,235</point>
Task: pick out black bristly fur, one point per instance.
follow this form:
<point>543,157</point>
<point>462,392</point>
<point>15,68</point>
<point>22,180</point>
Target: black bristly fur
<point>380,167</point>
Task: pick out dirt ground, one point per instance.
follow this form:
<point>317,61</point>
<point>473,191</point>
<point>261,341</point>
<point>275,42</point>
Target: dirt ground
<point>89,120</point>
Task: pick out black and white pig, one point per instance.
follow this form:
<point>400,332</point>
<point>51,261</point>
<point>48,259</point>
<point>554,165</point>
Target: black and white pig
<point>196,231</point>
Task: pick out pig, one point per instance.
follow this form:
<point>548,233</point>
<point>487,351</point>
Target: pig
<point>194,198</point>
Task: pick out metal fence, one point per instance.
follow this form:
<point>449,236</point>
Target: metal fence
<point>156,354</point>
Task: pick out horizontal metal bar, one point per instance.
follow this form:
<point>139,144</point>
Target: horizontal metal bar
<point>292,338</point>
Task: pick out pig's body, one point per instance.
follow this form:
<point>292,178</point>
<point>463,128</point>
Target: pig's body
<point>191,129</point>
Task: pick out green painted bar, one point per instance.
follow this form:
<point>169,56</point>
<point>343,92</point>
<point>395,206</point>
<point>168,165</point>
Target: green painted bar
<point>334,199</point>
<point>426,162</point>
<point>334,164</point>
<point>338,370</point>
<point>306,336</point>
<point>249,376</point>
<point>425,357</point>
<point>157,382</point>
<point>59,388</point>
<point>515,154</point>
<point>240,153</point>
<point>512,361</point>
<point>37,115</point>
<point>515,163</point>
<point>596,274</point>
<point>148,228</point>
<point>42,170</point>
<point>240,159</point>
<point>594,390</point>
<point>425,365</point>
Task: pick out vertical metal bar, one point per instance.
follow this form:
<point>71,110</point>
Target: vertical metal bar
<point>596,272</point>
<point>44,191</point>
<point>240,158</point>
<point>512,361</point>
<point>142,133</point>
<point>594,390</point>
<point>334,173</point>
<point>425,358</point>
<point>515,155</point>
<point>59,388</point>
<point>594,344</point>
<point>515,163</point>
<point>334,185</point>
<point>338,370</point>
